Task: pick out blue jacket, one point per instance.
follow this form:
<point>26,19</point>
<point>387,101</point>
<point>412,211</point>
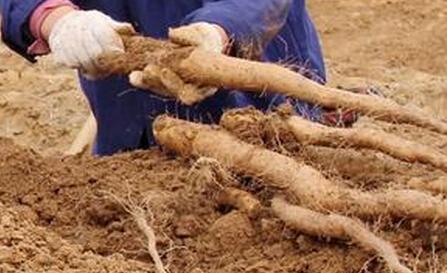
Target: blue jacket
<point>281,30</point>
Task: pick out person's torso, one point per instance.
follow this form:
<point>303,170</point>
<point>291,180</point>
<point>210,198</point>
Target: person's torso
<point>124,113</point>
<point>150,17</point>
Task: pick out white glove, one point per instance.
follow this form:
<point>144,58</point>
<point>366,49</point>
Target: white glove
<point>203,35</point>
<point>79,37</point>
<point>165,82</point>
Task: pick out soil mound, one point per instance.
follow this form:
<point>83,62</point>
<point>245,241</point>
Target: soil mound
<point>68,201</point>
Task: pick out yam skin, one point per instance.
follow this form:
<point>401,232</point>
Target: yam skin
<point>307,184</point>
<point>196,67</point>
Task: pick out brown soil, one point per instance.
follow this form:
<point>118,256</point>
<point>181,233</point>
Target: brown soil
<point>69,200</point>
<point>396,45</point>
<point>29,248</point>
<point>57,214</point>
<point>40,105</point>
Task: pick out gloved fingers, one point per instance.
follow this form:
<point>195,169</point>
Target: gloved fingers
<point>80,37</point>
<point>62,58</point>
<point>64,46</point>
<point>107,37</point>
<point>91,50</point>
<point>102,38</point>
<point>203,35</point>
<point>64,52</point>
<point>123,28</point>
<point>120,27</point>
<point>104,18</point>
<point>185,35</point>
<point>105,30</point>
<point>71,58</point>
<point>99,40</point>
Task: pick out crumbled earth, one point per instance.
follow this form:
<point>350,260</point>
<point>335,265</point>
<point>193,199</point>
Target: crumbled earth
<point>41,105</point>
<point>63,214</point>
<point>26,247</point>
<point>75,201</point>
<point>73,198</point>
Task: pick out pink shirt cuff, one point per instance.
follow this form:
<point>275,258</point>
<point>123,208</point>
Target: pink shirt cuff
<point>40,46</point>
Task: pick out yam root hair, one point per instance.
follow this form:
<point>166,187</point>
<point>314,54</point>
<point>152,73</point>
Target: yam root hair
<point>139,216</point>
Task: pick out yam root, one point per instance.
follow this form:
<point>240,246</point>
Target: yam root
<point>218,180</point>
<point>201,68</point>
<point>336,226</point>
<point>149,233</point>
<point>437,186</point>
<point>242,200</point>
<point>139,216</point>
<point>277,170</point>
<point>310,133</point>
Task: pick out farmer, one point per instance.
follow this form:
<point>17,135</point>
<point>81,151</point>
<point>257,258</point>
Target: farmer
<point>77,31</point>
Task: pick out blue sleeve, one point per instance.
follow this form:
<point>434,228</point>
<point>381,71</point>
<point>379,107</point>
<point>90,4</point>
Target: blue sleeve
<point>251,24</point>
<point>15,30</point>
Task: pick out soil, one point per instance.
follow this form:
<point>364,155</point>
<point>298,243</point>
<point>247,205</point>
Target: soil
<point>40,105</point>
<point>59,213</point>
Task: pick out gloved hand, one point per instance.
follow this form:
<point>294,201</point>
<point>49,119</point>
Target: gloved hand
<point>165,82</point>
<point>79,37</point>
<point>206,36</point>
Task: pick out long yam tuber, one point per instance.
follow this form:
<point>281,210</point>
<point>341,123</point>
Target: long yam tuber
<point>201,68</point>
<point>276,170</point>
<point>336,226</point>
